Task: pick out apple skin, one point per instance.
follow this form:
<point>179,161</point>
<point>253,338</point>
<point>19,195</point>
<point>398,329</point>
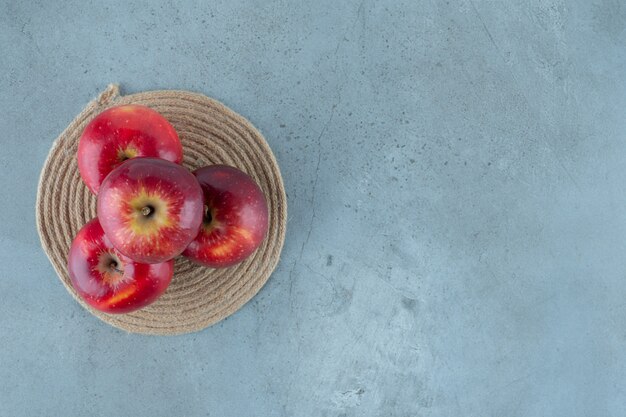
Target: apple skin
<point>235,221</point>
<point>109,281</point>
<point>151,209</point>
<point>121,133</point>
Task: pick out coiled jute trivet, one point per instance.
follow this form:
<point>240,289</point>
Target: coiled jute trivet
<point>210,133</point>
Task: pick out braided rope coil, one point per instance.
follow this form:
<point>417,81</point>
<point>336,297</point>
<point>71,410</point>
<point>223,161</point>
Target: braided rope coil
<point>210,133</point>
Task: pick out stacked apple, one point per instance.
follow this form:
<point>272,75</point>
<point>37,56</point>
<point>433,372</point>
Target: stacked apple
<point>150,209</point>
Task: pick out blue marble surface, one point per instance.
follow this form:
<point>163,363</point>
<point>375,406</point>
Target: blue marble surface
<point>456,175</point>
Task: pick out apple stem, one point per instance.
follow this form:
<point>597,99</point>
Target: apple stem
<point>207,214</point>
<point>146,211</point>
<point>113,266</point>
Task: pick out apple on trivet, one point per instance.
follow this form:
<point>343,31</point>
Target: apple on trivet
<point>109,281</point>
<point>235,219</point>
<point>121,133</point>
<point>150,210</point>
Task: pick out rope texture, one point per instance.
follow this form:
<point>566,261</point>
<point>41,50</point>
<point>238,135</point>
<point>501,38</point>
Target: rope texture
<point>210,133</point>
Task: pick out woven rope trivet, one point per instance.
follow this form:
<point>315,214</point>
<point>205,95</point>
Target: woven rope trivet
<point>210,133</point>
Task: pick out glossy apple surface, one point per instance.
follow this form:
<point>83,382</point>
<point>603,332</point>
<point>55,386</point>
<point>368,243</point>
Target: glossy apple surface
<point>109,281</point>
<point>235,220</point>
<point>151,209</point>
<point>121,133</point>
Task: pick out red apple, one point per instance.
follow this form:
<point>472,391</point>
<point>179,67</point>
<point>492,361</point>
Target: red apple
<point>235,219</point>
<point>121,133</point>
<point>109,281</point>
<point>151,209</point>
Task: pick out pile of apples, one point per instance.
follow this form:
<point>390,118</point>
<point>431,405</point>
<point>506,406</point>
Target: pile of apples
<point>150,209</point>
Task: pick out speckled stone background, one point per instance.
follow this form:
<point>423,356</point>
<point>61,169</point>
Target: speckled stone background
<point>456,174</point>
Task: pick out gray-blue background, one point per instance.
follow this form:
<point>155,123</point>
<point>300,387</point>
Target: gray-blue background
<point>456,174</point>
